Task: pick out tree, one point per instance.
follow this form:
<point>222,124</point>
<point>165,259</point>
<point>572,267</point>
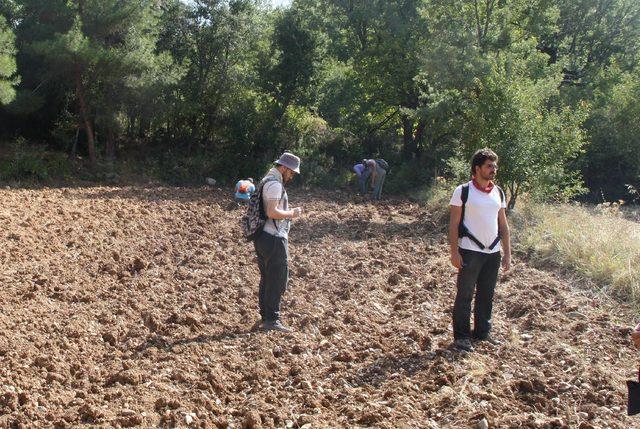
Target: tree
<point>110,43</point>
<point>8,78</point>
<point>217,44</point>
<point>515,114</point>
<point>613,155</point>
<point>287,69</point>
<point>485,83</point>
<point>385,40</point>
<point>590,34</point>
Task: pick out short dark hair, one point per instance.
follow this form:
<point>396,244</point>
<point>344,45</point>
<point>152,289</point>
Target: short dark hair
<point>480,157</point>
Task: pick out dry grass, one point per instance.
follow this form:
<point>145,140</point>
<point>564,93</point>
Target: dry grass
<point>602,244</point>
<point>437,200</point>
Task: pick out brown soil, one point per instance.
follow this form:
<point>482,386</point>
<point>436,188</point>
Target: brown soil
<point>134,306</point>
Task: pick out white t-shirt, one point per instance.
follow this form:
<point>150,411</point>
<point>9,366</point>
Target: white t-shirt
<point>480,217</point>
<point>273,190</point>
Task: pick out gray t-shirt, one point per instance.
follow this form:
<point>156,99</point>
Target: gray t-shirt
<point>274,190</point>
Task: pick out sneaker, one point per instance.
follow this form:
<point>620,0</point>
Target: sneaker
<point>463,344</point>
<point>492,340</point>
<point>275,325</point>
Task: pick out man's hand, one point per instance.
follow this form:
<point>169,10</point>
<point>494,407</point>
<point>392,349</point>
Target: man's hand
<point>456,259</point>
<point>506,262</point>
<point>297,212</point>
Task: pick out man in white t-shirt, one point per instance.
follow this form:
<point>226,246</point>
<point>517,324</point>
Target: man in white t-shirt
<point>272,245</point>
<point>478,230</point>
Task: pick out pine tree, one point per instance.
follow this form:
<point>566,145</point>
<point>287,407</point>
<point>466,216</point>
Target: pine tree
<point>8,78</point>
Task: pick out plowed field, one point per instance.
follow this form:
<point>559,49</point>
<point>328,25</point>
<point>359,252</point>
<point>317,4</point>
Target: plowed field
<point>134,306</point>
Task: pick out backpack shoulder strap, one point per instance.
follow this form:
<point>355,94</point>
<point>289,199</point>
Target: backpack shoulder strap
<point>502,196</point>
<point>465,194</point>
<point>271,179</point>
<point>259,192</point>
<point>262,184</point>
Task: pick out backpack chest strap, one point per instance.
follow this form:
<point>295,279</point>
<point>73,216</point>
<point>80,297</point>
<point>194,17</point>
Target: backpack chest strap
<point>463,231</point>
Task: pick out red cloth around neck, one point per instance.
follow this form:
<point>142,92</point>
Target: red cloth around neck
<point>486,190</point>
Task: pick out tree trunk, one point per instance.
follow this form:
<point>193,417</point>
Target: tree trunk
<point>409,147</point>
<point>412,137</point>
<point>131,125</point>
<point>418,136</point>
<point>84,113</point>
<point>72,155</point>
<point>192,137</point>
<point>513,195</point>
<point>111,144</point>
<point>208,131</point>
<point>145,125</point>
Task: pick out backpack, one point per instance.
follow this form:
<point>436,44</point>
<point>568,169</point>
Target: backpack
<point>463,231</point>
<point>383,164</point>
<point>254,218</point>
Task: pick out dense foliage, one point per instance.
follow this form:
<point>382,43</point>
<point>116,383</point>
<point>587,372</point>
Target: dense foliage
<point>218,88</point>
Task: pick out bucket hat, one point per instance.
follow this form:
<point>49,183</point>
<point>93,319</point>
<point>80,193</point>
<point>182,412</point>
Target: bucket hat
<point>290,161</point>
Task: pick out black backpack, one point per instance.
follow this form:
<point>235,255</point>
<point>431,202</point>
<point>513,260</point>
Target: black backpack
<point>254,218</point>
<point>463,231</point>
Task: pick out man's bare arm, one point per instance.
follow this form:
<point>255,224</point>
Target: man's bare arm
<point>505,238</point>
<point>455,213</point>
<point>273,212</point>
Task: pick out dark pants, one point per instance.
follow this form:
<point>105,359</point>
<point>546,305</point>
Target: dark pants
<point>273,258</point>
<point>479,275</point>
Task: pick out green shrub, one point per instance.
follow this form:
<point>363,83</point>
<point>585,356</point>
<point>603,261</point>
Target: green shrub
<point>406,178</point>
<point>33,163</point>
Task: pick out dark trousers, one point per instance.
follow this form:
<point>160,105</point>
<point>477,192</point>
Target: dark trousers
<point>479,274</point>
<point>273,262</point>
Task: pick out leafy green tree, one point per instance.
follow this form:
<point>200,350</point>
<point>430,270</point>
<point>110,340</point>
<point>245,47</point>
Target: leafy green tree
<point>41,98</point>
<point>8,78</point>
<point>221,85</point>
<point>592,33</point>
<point>110,43</point>
<point>286,71</point>
<point>216,43</point>
<point>612,158</point>
<point>485,83</point>
<point>536,139</point>
<point>384,40</point>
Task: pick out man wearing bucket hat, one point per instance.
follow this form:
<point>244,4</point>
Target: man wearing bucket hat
<point>272,243</point>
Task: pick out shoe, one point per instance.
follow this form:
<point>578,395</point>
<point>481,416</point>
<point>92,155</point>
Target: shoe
<point>491,340</point>
<point>275,325</point>
<point>463,344</point>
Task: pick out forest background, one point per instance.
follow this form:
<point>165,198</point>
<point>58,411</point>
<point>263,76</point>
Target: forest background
<point>182,90</point>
